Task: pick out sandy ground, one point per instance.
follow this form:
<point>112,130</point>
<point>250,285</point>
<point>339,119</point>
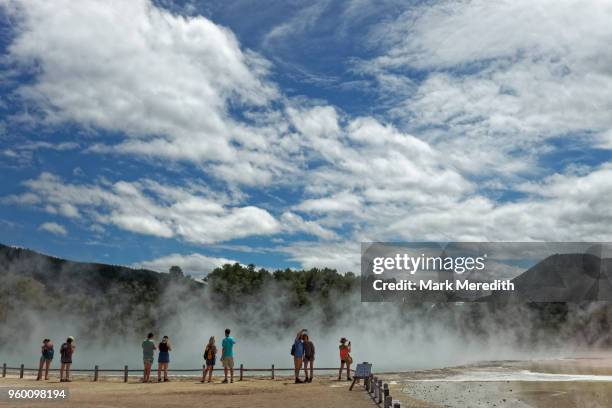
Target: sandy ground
<point>189,392</point>
<point>560,383</point>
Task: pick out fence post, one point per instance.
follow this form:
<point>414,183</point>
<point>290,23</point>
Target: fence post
<point>96,372</point>
<point>125,374</point>
<point>4,370</point>
<point>241,371</point>
<point>375,387</point>
<point>387,399</point>
<point>380,391</point>
<point>272,371</point>
<point>21,372</point>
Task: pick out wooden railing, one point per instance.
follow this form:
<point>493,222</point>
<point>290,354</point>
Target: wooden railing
<point>376,388</point>
<point>126,370</point>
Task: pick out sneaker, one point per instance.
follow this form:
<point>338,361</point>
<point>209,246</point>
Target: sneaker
<point>159,380</point>
<point>202,381</point>
<point>349,379</point>
<point>224,381</point>
<point>166,380</point>
<point>298,381</point>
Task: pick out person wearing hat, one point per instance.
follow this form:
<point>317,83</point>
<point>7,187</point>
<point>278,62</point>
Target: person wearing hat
<point>345,358</point>
<point>66,352</point>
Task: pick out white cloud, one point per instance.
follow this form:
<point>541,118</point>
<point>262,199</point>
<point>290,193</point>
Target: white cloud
<point>194,264</point>
<point>501,77</point>
<point>147,207</point>
<point>344,257</point>
<point>53,228</point>
<point>165,81</point>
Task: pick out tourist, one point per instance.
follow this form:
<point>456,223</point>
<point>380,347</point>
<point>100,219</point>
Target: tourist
<point>163,358</point>
<point>66,352</point>
<point>148,355</point>
<point>309,356</point>
<point>345,358</point>
<point>297,351</point>
<point>210,355</point>
<point>45,359</point>
<point>227,355</point>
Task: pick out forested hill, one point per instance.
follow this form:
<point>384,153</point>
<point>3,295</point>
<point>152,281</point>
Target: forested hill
<point>123,300</point>
<point>60,275</point>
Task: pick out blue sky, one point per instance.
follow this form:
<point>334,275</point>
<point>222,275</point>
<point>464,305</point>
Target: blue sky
<point>286,133</point>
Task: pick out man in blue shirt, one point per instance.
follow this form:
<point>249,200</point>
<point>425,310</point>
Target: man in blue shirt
<point>227,355</point>
<point>298,354</point>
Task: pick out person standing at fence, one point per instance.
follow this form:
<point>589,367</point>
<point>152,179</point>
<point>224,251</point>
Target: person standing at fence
<point>66,352</point>
<point>45,359</point>
<point>345,358</point>
<point>227,355</point>
<point>297,351</point>
<point>148,355</point>
<point>309,356</point>
<point>210,355</point>
<point>163,359</point>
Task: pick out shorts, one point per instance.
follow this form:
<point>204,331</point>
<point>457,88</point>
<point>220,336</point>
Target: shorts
<point>308,358</point>
<point>43,359</point>
<point>66,360</point>
<point>163,357</point>
<point>148,360</point>
<point>228,362</point>
<point>210,363</point>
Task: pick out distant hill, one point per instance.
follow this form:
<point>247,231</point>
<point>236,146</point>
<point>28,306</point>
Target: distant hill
<point>74,277</point>
<point>564,278</point>
<point>116,299</point>
<point>97,297</point>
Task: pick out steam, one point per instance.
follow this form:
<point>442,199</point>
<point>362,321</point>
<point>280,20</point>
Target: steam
<point>394,337</point>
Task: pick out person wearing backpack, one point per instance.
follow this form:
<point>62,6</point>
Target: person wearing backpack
<point>297,351</point>
<point>45,359</point>
<point>66,351</point>
<point>210,355</point>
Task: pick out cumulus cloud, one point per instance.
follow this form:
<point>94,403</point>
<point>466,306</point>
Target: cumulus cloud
<point>342,256</point>
<point>53,228</point>
<point>146,207</point>
<point>479,90</point>
<point>164,81</point>
<point>196,265</point>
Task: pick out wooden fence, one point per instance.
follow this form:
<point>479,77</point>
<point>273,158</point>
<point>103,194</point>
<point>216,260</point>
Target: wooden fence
<point>379,392</point>
<point>126,370</point>
<point>376,388</point>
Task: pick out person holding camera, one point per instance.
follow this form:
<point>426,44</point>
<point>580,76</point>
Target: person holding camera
<point>345,358</point>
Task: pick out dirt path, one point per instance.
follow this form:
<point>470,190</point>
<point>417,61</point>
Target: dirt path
<point>255,393</point>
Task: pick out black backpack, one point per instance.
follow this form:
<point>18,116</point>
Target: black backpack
<point>293,349</point>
